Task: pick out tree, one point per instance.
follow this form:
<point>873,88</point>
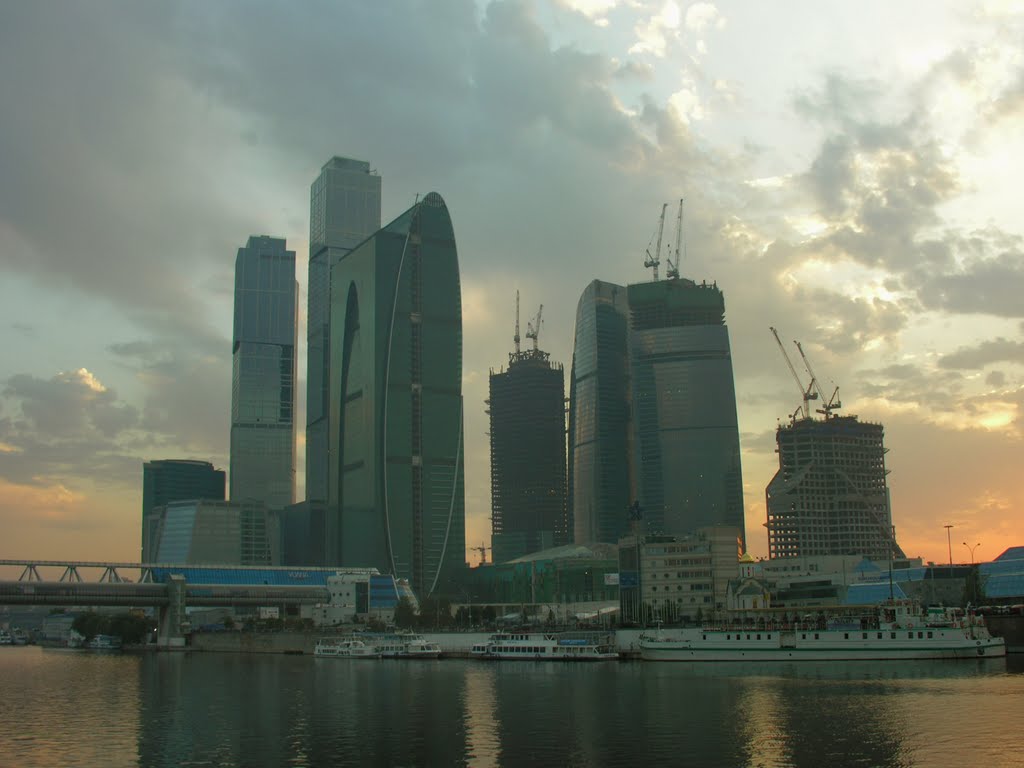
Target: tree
<point>405,616</point>
<point>974,587</point>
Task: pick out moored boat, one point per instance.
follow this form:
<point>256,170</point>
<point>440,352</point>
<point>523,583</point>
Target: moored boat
<point>5,637</point>
<point>344,648</point>
<point>404,645</point>
<point>566,646</point>
<point>896,631</point>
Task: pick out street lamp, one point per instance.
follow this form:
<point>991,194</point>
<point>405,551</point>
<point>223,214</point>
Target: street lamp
<point>949,544</point>
<point>972,550</point>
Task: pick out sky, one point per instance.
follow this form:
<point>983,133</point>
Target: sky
<point>850,172</point>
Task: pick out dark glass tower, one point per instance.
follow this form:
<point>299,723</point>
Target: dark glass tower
<point>263,374</point>
<point>396,498</point>
<point>344,210</point>
<point>528,499</point>
<point>686,447</point>
<point>599,424</point>
<point>168,480</point>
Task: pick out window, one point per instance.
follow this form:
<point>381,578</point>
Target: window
<point>815,635</point>
<point>929,634</point>
<point>863,635</point>
<point>892,635</point>
<point>879,635</point>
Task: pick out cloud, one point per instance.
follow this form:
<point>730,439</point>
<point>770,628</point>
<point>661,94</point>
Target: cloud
<point>993,351</point>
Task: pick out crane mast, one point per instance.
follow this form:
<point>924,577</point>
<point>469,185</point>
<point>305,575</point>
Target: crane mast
<point>673,269</point>
<point>655,260</point>
<point>832,404</point>
<point>806,394</point>
<point>533,329</point>
<point>516,337</point>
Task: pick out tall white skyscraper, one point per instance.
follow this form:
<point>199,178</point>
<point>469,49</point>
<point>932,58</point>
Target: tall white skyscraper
<point>344,210</point>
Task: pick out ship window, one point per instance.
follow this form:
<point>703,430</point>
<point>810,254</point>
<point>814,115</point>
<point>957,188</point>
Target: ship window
<point>728,637</point>
<point>846,635</point>
<point>920,635</point>
<point>892,635</point>
<point>748,637</point>
<point>929,634</point>
<point>758,637</point>
<point>815,635</point>
<point>803,636</point>
<point>910,635</point>
<point>769,635</point>
<point>703,637</point>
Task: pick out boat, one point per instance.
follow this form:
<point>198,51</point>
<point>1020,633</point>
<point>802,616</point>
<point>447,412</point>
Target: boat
<point>405,645</point>
<point>344,648</point>
<point>564,646</point>
<point>103,643</point>
<point>5,637</point>
<point>19,636</point>
<point>897,630</point>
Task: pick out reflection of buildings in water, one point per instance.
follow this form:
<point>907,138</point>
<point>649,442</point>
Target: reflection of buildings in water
<point>480,716</point>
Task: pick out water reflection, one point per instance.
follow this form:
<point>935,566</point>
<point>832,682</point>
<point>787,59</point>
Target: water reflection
<point>239,710</point>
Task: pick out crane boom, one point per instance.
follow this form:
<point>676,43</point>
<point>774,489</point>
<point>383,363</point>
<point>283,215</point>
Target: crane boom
<point>655,260</point>
<point>832,403</point>
<point>533,329</point>
<point>805,394</point>
<point>516,337</point>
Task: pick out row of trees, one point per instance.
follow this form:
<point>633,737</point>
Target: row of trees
<point>436,613</point>
<point>130,627</point>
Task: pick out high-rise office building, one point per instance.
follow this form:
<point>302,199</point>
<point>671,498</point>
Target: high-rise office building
<point>599,468</point>
<point>830,495</point>
<point>527,416</point>
<point>344,210</point>
<point>168,480</point>
<point>396,498</point>
<point>686,446</point>
<point>204,532</point>
<point>263,374</point>
<point>652,413</point>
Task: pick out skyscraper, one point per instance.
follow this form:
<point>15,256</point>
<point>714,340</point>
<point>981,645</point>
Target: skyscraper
<point>830,495</point>
<point>686,447</point>
<point>344,210</point>
<point>396,498</point>
<point>528,499</point>
<point>599,424</point>
<point>168,480</point>
<point>652,415</point>
<point>263,374</point>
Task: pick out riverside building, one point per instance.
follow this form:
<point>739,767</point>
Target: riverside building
<point>527,428</point>
<point>264,346</point>
<point>167,480</point>
<point>396,498</point>
<point>830,494</point>
<point>344,210</point>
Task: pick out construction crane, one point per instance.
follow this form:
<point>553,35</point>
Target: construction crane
<point>516,337</point>
<point>807,394</point>
<point>483,553</point>
<point>533,329</point>
<point>655,260</point>
<point>833,402</point>
<point>673,269</point>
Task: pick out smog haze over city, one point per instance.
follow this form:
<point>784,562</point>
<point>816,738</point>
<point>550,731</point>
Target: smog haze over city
<point>850,173</point>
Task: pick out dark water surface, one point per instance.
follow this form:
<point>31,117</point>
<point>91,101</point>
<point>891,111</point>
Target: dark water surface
<point>60,708</point>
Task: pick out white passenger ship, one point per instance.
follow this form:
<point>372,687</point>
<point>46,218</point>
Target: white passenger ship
<point>405,645</point>
<point>344,648</point>
<point>567,646</point>
<point>897,631</point>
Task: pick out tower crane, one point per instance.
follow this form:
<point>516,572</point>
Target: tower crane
<point>655,260</point>
<point>807,394</point>
<point>516,337</point>
<point>533,329</point>
<point>483,553</point>
<point>833,402</point>
<point>673,269</point>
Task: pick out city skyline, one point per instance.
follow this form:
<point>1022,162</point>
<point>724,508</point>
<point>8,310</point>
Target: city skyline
<point>853,189</point>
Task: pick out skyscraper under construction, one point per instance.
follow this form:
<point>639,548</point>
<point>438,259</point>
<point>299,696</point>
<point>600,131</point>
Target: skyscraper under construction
<point>528,493</point>
<point>829,496</point>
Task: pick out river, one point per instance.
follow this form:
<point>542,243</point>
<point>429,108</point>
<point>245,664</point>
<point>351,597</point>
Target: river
<point>63,708</point>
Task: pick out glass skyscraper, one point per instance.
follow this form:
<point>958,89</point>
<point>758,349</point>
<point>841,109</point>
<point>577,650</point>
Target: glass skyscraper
<point>599,424</point>
<point>396,498</point>
<point>686,447</point>
<point>263,374</point>
<point>344,210</point>
<point>653,411</point>
<point>168,480</point>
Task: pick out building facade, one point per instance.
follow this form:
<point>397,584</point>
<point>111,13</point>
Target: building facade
<point>830,494</point>
<point>599,468</point>
<point>264,348</point>
<point>202,532</point>
<point>686,447</point>
<point>167,480</point>
<point>527,418</point>
<point>396,498</point>
<point>678,578</point>
<point>344,210</point>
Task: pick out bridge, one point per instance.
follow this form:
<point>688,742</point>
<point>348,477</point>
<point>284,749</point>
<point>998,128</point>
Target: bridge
<point>165,587</point>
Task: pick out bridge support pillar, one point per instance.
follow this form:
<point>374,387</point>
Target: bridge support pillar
<point>173,619</point>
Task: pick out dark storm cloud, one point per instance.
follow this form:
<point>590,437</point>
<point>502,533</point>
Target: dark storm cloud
<point>998,350</point>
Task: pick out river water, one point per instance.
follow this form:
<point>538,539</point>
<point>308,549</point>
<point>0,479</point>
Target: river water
<point>63,708</point>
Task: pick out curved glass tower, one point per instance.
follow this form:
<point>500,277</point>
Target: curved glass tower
<point>396,498</point>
